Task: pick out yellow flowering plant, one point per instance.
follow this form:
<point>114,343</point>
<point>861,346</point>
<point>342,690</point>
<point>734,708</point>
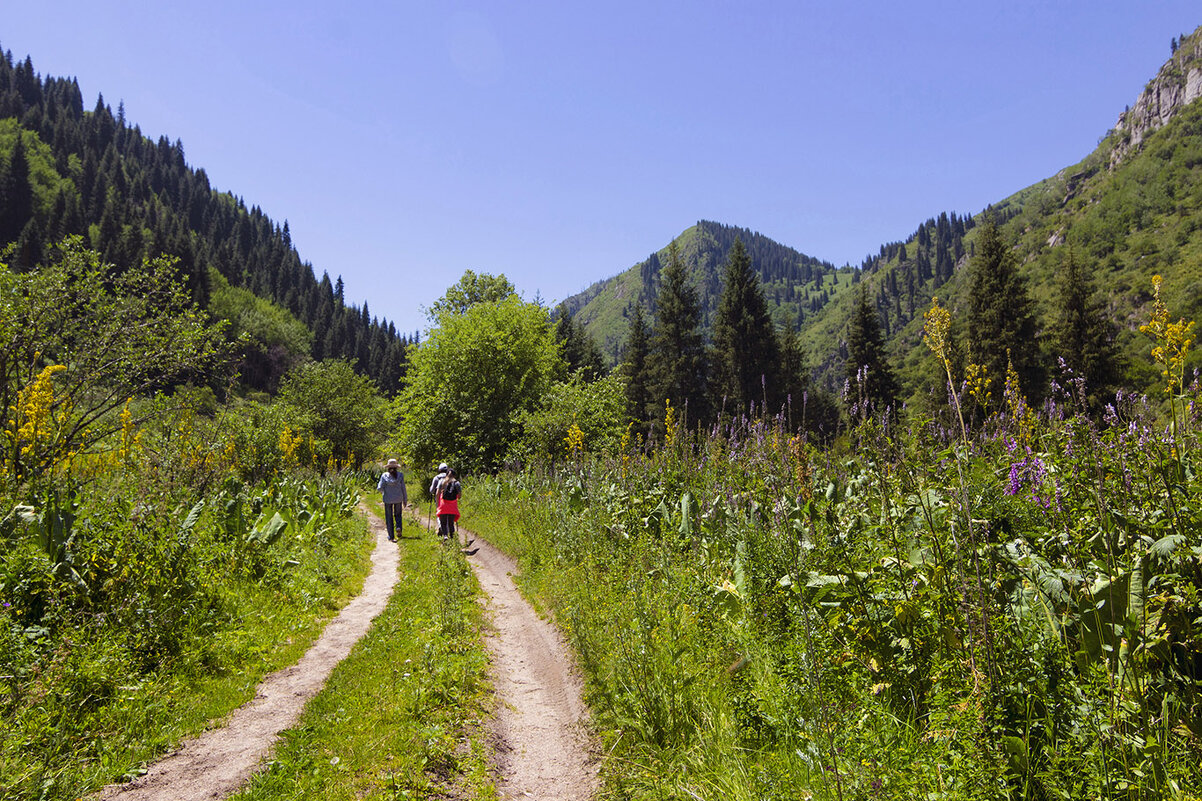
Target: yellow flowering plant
<point>574,441</point>
<point>38,427</point>
<point>1170,349</point>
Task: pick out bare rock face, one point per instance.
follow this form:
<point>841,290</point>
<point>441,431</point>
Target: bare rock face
<point>1178,84</point>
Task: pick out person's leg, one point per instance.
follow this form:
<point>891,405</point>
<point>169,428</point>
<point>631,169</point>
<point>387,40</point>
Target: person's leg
<point>388,519</point>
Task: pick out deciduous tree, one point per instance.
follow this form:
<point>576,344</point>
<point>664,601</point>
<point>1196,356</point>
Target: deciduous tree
<point>471,376</point>
<point>89,338</point>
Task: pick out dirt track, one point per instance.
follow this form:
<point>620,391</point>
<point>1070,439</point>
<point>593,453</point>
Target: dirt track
<point>542,750</point>
<point>541,747</point>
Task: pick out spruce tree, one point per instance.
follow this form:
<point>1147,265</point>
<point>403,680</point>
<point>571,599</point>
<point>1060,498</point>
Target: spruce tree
<point>578,347</point>
<point>677,363</point>
<point>16,194</point>
<point>794,376</point>
<point>1083,335</point>
<point>1001,323</point>
<point>868,371</point>
<point>746,351</point>
<point>635,369</point>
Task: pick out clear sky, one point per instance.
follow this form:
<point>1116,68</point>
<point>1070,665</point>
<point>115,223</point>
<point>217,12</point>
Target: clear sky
<point>560,142</point>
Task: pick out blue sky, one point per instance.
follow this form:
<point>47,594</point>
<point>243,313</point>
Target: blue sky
<point>560,143</point>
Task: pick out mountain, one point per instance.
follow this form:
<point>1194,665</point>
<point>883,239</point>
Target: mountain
<point>1129,210</point>
<point>795,284</point>
<point>66,171</point>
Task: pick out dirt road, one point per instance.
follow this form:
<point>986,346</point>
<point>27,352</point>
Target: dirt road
<point>541,748</point>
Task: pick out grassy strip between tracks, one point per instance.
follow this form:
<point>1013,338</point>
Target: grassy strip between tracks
<point>402,716</point>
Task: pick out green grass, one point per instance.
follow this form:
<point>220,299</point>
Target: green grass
<point>402,716</point>
<point>81,710</point>
<point>273,635</point>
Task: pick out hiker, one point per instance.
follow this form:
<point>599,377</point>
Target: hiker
<point>442,471</point>
<point>447,495</point>
<point>395,497</point>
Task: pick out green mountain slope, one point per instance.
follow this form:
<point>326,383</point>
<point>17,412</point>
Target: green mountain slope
<point>66,171</point>
<point>795,284</point>
<point>1129,210</point>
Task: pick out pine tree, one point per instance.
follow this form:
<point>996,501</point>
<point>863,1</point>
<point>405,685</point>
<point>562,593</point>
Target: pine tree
<point>16,194</point>
<point>1001,324</point>
<point>868,371</point>
<point>1083,335</point>
<point>746,352</point>
<point>794,376</point>
<point>579,349</point>
<point>677,362</point>
<point>635,369</point>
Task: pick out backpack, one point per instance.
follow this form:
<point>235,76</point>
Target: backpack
<point>450,490</point>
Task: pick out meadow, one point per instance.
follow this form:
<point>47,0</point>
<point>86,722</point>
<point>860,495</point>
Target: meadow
<point>996,602</point>
<point>148,585</point>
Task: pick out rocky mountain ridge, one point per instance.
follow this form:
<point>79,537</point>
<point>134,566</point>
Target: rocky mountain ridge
<point>1177,84</point>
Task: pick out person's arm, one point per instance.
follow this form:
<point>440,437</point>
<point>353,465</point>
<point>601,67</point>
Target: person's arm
<point>404,490</point>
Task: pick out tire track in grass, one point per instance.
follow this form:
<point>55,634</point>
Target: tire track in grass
<point>217,762</point>
<point>542,747</point>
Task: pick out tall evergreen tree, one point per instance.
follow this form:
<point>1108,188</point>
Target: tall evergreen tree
<point>868,370</point>
<point>677,362</point>
<point>1001,322</point>
<point>578,347</point>
<point>1083,335</point>
<point>635,369</point>
<point>794,374</point>
<point>16,193</point>
<point>746,352</point>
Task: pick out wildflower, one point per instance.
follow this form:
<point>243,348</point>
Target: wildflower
<point>976,380</point>
<point>1173,341</point>
<point>937,321</point>
<point>574,440</point>
<point>38,420</point>
<point>1020,413</point>
<point>289,442</point>
<point>669,424</point>
<point>130,436</point>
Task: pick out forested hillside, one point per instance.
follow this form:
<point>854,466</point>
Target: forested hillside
<point>796,284</point>
<point>1128,211</point>
<point>67,171</point>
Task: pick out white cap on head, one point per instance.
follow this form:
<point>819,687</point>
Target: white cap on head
<point>442,468</point>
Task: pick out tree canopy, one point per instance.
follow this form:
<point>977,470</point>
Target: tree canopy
<point>338,405</point>
<point>470,289</point>
<point>677,360</point>
<point>746,351</point>
<point>466,383</point>
<point>868,370</point>
<point>1001,321</point>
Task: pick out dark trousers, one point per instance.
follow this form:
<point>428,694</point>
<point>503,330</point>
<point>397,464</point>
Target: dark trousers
<point>392,518</point>
<point>446,525</point>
